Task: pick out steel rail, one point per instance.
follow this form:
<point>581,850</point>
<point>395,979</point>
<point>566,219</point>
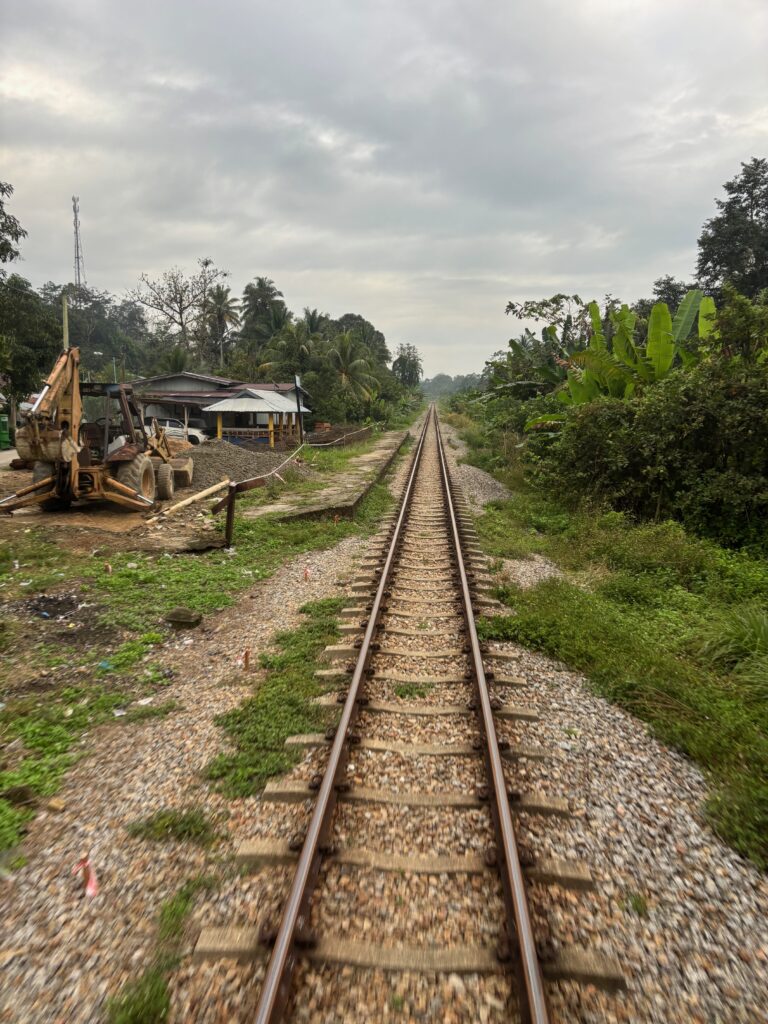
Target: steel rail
<point>275,989</point>
<point>534,1008</point>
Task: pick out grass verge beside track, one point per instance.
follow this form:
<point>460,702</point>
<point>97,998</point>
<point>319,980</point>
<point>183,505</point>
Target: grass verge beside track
<point>671,627</point>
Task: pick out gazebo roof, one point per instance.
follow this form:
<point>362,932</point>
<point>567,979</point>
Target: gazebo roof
<point>251,400</point>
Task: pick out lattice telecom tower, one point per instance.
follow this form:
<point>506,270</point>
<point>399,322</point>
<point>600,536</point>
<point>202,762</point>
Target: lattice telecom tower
<point>79,259</point>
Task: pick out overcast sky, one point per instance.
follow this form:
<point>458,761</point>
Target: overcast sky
<point>417,161</point>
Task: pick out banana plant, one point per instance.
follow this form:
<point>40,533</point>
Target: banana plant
<point>618,367</point>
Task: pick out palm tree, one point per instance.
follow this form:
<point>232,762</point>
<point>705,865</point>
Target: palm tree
<point>173,360</point>
<point>350,359</point>
<point>223,315</point>
<point>289,351</point>
<point>316,322</point>
<point>259,296</point>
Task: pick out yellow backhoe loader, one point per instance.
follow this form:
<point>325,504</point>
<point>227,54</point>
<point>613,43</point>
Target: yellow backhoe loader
<point>110,457</point>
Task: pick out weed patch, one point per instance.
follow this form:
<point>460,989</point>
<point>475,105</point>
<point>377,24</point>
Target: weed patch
<point>146,1000</point>
<point>12,820</point>
<point>174,911</point>
<point>280,707</point>
<point>50,724</point>
<point>636,656</point>
<point>190,825</point>
<point>212,580</point>
<point>635,903</point>
<point>407,690</point>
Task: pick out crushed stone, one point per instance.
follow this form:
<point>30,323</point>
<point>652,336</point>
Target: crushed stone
<point>215,460</point>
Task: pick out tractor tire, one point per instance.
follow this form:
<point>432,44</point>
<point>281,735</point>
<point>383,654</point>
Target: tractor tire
<point>41,471</point>
<point>165,486</point>
<point>139,475</point>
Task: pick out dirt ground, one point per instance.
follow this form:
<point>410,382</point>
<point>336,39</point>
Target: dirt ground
<point>91,524</point>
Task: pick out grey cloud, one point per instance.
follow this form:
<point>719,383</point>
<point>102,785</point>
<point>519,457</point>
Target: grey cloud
<point>419,163</point>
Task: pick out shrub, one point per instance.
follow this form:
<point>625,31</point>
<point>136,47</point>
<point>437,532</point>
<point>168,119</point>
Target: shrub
<point>693,447</point>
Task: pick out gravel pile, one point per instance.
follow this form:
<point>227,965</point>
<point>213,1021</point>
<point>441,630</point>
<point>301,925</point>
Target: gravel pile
<point>215,460</point>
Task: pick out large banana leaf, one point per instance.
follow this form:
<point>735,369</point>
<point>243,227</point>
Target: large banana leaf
<point>660,348</point>
<point>685,315</point>
<point>604,370</point>
<point>707,310</point>
<point>624,350</point>
<point>548,419</point>
<point>623,346</point>
<point>580,389</point>
<point>597,341</point>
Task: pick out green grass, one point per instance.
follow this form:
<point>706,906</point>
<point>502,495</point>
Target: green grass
<point>668,626</point>
<point>407,690</point>
<point>146,999</point>
<point>143,1001</point>
<point>280,707</point>
<point>636,903</point>
<point>42,563</point>
<point>212,580</point>
<point>131,601</point>
<point>12,821</point>
<point>174,911</point>
<point>189,825</point>
<point>50,726</point>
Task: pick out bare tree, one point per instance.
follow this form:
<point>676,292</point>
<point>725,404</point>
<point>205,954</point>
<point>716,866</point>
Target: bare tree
<point>180,301</point>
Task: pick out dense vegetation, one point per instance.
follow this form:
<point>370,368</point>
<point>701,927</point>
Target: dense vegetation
<point>658,409</point>
<point>182,321</point>
<point>635,442</point>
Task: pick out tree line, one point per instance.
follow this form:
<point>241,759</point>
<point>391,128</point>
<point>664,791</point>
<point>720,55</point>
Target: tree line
<point>658,409</point>
<point>193,321</point>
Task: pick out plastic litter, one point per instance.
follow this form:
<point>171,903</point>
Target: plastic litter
<point>90,882</point>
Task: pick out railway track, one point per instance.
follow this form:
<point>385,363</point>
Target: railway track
<point>411,862</point>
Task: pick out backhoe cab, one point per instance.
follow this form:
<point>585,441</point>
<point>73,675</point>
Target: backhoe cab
<point>89,441</point>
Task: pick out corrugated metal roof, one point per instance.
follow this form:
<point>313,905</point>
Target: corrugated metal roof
<point>225,384</point>
<point>251,400</point>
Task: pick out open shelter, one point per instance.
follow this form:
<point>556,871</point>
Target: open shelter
<point>265,417</point>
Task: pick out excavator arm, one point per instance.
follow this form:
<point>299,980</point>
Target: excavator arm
<point>61,384</point>
<point>53,423</point>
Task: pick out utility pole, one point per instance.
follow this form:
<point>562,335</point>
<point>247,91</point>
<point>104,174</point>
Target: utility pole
<point>79,259</point>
